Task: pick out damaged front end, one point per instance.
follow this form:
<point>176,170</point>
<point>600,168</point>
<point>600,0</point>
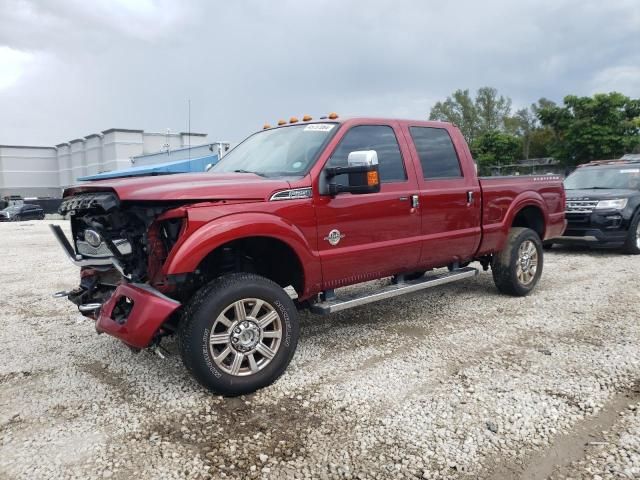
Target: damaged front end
<point>120,250</point>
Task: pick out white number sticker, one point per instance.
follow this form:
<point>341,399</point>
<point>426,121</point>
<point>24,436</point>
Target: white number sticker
<point>319,127</point>
<point>630,170</point>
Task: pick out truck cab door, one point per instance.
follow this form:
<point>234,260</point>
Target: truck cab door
<point>367,236</point>
<point>450,195</point>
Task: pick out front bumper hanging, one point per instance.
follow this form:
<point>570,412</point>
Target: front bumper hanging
<point>133,313</point>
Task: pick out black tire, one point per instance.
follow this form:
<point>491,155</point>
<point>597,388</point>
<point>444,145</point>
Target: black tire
<point>504,264</point>
<point>201,315</point>
<point>17,218</point>
<point>547,245</point>
<point>632,243</point>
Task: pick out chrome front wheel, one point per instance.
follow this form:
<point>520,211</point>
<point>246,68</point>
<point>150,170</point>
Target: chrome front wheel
<point>238,333</point>
<point>245,337</point>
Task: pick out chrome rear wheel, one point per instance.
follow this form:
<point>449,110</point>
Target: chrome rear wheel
<point>527,265</point>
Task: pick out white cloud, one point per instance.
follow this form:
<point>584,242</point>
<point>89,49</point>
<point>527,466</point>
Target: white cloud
<point>13,64</point>
<point>623,79</point>
<point>134,63</point>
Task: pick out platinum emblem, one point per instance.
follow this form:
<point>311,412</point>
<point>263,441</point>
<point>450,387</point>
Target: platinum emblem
<point>334,237</point>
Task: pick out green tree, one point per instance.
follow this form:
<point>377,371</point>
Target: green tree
<point>485,113</point>
<point>496,148</point>
<point>460,110</point>
<point>523,125</point>
<point>492,109</point>
<point>591,128</point>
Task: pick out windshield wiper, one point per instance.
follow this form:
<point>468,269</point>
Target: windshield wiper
<point>247,171</point>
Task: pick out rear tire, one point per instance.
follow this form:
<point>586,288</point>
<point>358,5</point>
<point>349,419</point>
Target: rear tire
<point>632,244</point>
<point>517,268</point>
<point>238,334</point>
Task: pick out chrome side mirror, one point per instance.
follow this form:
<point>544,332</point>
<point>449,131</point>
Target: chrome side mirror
<point>362,172</point>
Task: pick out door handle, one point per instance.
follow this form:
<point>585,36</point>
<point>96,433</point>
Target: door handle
<point>415,200</point>
<point>469,198</point>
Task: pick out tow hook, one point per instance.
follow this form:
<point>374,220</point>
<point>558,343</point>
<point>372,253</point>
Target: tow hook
<point>61,294</point>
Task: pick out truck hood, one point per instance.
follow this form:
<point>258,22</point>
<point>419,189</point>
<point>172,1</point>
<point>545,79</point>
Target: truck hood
<point>187,186</point>
<point>600,193</point>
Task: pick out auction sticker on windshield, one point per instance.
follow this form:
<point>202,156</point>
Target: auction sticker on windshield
<point>319,127</point>
<point>630,170</point>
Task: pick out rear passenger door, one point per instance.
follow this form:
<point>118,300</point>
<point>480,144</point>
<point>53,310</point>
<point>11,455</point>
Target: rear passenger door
<point>450,202</point>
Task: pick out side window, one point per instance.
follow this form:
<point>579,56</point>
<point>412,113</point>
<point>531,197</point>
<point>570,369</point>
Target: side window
<point>437,155</point>
<point>380,138</point>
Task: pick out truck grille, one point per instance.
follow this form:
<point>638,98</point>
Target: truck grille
<point>581,206</point>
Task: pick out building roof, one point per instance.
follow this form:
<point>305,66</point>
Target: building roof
<point>126,130</point>
<point>26,146</point>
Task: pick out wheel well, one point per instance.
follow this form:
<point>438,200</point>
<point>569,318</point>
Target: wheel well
<point>530,217</point>
<point>265,256</point>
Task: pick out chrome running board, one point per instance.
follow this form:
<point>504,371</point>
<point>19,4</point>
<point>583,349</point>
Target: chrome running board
<point>337,304</point>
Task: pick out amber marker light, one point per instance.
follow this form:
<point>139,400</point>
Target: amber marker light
<point>333,115</point>
<point>372,178</point>
<point>306,118</point>
<point>266,126</point>
<point>293,120</point>
<point>282,122</point>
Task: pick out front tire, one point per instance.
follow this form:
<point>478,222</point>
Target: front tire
<point>632,244</point>
<point>238,334</point>
<point>517,268</point>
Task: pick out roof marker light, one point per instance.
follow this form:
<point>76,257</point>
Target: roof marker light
<point>281,122</point>
<point>266,126</point>
<point>306,118</point>
<point>293,120</point>
<point>333,115</point>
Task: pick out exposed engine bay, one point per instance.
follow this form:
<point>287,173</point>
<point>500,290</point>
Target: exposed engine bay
<point>118,241</point>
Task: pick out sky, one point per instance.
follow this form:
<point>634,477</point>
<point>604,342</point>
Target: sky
<point>69,68</point>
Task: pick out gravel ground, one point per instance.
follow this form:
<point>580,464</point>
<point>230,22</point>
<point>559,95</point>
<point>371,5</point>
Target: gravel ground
<point>456,382</point>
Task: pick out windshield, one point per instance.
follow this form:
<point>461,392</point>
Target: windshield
<point>621,177</point>
<point>286,151</point>
<point>11,209</point>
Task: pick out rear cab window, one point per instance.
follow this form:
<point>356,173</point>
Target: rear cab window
<point>437,154</point>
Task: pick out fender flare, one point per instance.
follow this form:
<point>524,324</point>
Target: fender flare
<point>187,255</point>
<point>524,200</point>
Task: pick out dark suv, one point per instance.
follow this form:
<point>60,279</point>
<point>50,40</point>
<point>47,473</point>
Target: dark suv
<point>603,205</point>
<point>15,213</point>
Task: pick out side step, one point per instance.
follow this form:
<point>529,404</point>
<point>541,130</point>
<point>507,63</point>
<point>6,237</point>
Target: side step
<point>337,304</point>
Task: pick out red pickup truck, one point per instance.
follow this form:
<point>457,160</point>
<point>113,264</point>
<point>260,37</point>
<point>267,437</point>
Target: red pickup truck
<point>224,259</point>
